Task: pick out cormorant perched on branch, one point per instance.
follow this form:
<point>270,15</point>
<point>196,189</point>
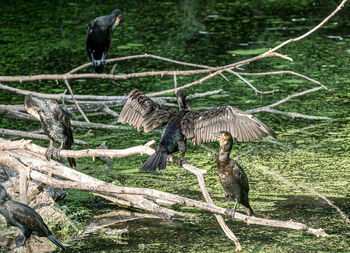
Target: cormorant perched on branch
<point>55,122</point>
<point>144,114</point>
<point>26,219</point>
<point>232,176</point>
<point>98,38</point>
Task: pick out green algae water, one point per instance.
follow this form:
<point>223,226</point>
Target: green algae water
<point>45,37</point>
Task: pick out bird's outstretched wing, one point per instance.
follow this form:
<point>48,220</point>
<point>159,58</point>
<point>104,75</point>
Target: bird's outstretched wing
<point>242,126</point>
<point>143,113</point>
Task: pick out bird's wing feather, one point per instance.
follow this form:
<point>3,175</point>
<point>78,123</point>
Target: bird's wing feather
<point>108,43</point>
<point>187,124</point>
<point>143,113</point>
<point>23,214</point>
<point>242,126</point>
<point>243,178</point>
<point>89,32</point>
<point>61,115</point>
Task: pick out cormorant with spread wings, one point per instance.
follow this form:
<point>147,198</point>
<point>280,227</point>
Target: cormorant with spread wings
<point>145,114</point>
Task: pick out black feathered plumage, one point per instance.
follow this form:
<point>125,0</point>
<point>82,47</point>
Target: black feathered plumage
<point>98,38</point>
<point>144,114</point>
<point>54,121</point>
<point>26,219</point>
<point>232,177</point>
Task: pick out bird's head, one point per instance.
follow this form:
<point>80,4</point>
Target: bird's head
<point>119,17</point>
<point>224,138</point>
<point>33,104</point>
<point>181,100</point>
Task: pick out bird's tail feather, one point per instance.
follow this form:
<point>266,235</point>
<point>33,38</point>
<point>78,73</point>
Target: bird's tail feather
<point>54,240</point>
<point>72,162</point>
<point>157,160</point>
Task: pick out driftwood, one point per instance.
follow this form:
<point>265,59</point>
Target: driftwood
<point>29,158</point>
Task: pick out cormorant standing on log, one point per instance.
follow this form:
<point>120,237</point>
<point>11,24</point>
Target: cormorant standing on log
<point>55,122</point>
<point>98,38</point>
<point>26,219</point>
<point>144,114</point>
<point>232,176</point>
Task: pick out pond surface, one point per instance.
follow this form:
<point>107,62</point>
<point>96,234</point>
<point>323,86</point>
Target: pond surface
<point>38,37</point>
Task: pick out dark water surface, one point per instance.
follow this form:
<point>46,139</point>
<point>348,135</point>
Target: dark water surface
<point>38,37</point>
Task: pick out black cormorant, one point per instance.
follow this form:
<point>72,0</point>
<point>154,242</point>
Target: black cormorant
<point>232,176</point>
<point>144,114</point>
<point>26,219</point>
<point>98,38</point>
<point>55,122</point>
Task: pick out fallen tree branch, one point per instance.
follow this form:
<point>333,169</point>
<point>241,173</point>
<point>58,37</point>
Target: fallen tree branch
<point>5,112</point>
<point>284,72</point>
<point>270,108</point>
<point>200,177</point>
<point>75,101</point>
<point>17,133</point>
<point>104,99</point>
<point>13,152</point>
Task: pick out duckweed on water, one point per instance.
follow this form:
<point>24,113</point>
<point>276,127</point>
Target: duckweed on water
<point>52,39</point>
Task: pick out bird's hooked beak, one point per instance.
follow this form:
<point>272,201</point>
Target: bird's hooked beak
<point>118,20</point>
<point>218,136</point>
<point>33,112</point>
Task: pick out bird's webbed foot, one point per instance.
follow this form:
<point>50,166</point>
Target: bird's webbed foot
<point>56,153</point>
<point>20,239</point>
<point>232,213</point>
<point>183,160</point>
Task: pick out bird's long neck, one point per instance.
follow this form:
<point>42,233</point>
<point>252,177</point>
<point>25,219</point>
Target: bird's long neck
<point>183,106</point>
<point>225,150</point>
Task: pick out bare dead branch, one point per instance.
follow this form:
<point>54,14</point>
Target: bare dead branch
<point>309,32</point>
<point>69,76</point>
<point>250,85</point>
<point>284,72</point>
<point>270,108</point>
<point>186,85</point>
<point>5,112</point>
<point>13,152</point>
<point>199,174</point>
<point>23,134</point>
<point>75,101</point>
